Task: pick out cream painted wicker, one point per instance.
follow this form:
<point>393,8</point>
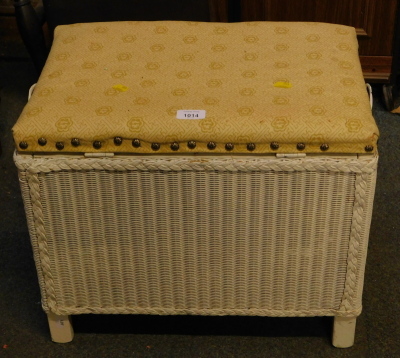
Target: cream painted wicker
<point>206,235</point>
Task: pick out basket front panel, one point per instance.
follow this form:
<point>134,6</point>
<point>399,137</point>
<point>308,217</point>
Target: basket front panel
<point>188,242</point>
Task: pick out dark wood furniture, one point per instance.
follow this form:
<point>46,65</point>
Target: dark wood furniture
<point>375,21</point>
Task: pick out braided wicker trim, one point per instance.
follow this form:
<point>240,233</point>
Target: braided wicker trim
<point>363,167</point>
<point>232,164</point>
<point>204,312</point>
<point>350,291</point>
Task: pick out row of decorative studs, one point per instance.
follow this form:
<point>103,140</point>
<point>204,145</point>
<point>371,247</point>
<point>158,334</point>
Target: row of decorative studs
<point>175,145</point>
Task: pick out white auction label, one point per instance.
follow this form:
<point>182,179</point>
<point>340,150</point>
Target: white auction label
<point>191,114</point>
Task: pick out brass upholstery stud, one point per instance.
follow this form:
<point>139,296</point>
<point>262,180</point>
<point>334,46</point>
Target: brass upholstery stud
<point>251,146</point>
<point>229,146</point>
<point>191,144</point>
<point>23,145</point>
<point>60,145</point>
<point>118,140</point>
<point>96,144</point>
<point>136,143</point>
<point>175,146</point>
<point>211,145</point>
<point>274,146</point>
<point>301,146</point>
<point>369,148</point>
<point>324,147</point>
<point>155,146</point>
<point>75,142</point>
<point>42,141</point>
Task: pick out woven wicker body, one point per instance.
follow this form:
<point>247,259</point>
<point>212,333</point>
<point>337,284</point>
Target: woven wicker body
<point>200,235</point>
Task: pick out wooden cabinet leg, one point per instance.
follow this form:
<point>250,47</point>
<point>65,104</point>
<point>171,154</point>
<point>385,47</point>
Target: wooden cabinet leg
<point>344,329</point>
<point>60,328</point>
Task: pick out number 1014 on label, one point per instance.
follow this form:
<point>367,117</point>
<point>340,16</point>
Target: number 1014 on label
<point>191,114</point>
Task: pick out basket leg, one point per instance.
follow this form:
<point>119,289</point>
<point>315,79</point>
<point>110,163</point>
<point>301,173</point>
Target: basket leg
<point>344,329</point>
<point>60,328</point>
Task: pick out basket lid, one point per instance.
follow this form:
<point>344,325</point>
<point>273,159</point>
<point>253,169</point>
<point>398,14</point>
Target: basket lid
<point>173,87</point>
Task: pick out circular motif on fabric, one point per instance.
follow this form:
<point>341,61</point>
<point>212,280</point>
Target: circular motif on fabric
<point>69,39</point>
<point>183,74</point>
<point>147,83</point>
<point>220,30</point>
<point>101,29</point>
<point>135,124</point>
<point>344,47</point>
<point>211,101</point>
<point>281,30</point>
<point>314,55</point>
<point>207,125</point>
<point>172,110</point>
<point>95,46</point>
<point>55,74</point>
<point>251,39</point>
<point>247,91</point>
<point>34,111</point>
<point>118,74</point>
<point>214,83</point>
<point>216,65</point>
<point>346,65</point>
<point>348,82</point>
<point>281,47</point>
<point>350,101</point>
<point>72,100</point>
<point>318,110</point>
<point>104,111</point>
<point>179,92</point>
<point>281,65</point>
<point>125,56</point>
<point>111,92</point>
<point>89,65</point>
<point>152,66</point>
<point>250,56</point>
<point>157,48</point>
<point>280,123</point>
<point>316,90</point>
<point>161,30</point>
<point>64,124</point>
<point>249,74</point>
<point>218,48</point>
<point>315,72</point>
<point>62,56</point>
<point>141,101</point>
<point>46,92</point>
<point>186,57</point>
<point>245,111</point>
<point>354,125</point>
<point>280,100</point>
<point>129,38</point>
<point>313,38</point>
<point>342,31</point>
<point>190,39</point>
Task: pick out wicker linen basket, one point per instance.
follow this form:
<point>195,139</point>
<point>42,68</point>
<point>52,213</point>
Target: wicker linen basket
<point>200,168</point>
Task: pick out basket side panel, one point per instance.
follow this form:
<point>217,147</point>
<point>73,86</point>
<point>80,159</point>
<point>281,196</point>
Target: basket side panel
<point>209,242</point>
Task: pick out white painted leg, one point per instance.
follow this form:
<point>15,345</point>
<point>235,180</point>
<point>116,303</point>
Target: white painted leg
<point>344,329</point>
<point>60,328</point>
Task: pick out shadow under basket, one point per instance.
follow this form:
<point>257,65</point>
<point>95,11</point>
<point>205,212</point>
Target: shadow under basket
<point>200,235</point>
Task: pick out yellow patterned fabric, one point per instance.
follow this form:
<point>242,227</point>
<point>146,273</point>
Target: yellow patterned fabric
<point>263,87</point>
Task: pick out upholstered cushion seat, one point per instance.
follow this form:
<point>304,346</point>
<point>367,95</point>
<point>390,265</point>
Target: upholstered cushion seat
<point>175,87</point>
